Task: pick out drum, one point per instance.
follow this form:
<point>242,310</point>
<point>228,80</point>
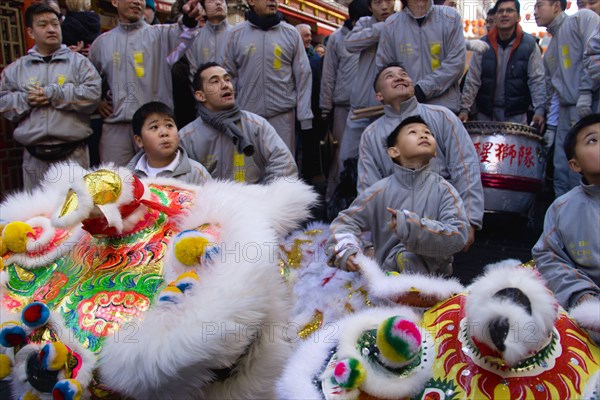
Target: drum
<point>512,161</point>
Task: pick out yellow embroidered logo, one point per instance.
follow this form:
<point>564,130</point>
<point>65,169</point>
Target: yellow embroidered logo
<point>277,52</point>
<point>435,49</point>
<point>138,63</point>
<point>239,173</point>
<point>206,53</point>
<point>60,79</point>
<point>116,58</point>
<point>566,60</point>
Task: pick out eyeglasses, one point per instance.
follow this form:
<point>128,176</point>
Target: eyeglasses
<point>506,11</point>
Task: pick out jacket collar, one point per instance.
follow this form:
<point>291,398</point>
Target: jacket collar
<point>407,108</point>
<point>555,25</point>
<point>217,27</point>
<point>60,54</point>
<point>493,39</point>
<point>411,177</point>
<point>134,26</point>
<point>591,190</point>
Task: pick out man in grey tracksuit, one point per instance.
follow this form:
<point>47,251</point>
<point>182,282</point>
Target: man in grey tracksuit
<point>591,60</point>
<point>209,44</point>
<point>339,76</point>
<point>267,58</point>
<point>50,94</point>
<point>214,149</point>
<point>131,59</point>
<point>456,158</point>
<point>430,223</point>
<point>363,40</point>
<point>566,75</point>
<point>428,41</point>
<point>508,79</point>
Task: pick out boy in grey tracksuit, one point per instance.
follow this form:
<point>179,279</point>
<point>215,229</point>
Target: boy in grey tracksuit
<point>272,72</point>
<point>131,59</point>
<point>456,158</point>
<point>431,46</point>
<point>50,93</point>
<point>416,218</point>
<point>568,252</point>
<point>566,75</point>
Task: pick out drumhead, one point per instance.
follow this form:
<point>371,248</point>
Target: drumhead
<point>503,128</point>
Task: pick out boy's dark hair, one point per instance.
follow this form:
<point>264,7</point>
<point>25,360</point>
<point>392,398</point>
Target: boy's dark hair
<point>517,5</point>
<point>571,138</point>
<point>380,71</point>
<point>491,12</point>
<point>198,79</point>
<point>414,119</point>
<point>154,107</point>
<point>37,9</point>
<point>358,9</point>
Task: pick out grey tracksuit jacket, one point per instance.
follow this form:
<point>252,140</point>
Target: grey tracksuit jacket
<point>563,58</point>
<point>71,83</point>
<point>132,60</point>
<point>339,72</point>
<point>434,228</point>
<point>214,150</point>
<point>433,54</point>
<point>187,170</point>
<point>363,40</point>
<point>568,252</point>
<point>208,46</point>
<point>272,70</point>
<point>456,158</point>
<point>591,58</point>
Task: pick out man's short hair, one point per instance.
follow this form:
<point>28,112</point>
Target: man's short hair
<point>197,77</point>
<point>380,71</point>
<point>571,138</point>
<point>37,9</point>
<point>142,113</point>
<point>517,5</point>
<point>413,119</point>
<point>358,9</point>
<point>491,12</point>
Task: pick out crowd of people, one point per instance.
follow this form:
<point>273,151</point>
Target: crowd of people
<point>200,99</point>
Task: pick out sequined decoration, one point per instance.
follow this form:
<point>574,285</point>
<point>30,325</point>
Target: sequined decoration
<point>312,326</point>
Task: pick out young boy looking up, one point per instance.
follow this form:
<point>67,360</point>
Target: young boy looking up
<point>415,216</point>
<point>568,252</point>
<point>155,132</point>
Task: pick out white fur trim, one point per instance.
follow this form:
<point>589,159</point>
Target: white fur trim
<point>587,315</point>
<point>482,308</point>
<point>240,295</point>
<point>392,287</point>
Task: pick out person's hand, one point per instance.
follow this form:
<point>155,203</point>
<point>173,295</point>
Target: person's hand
<point>463,116</point>
<point>470,239</point>
<point>105,108</point>
<point>77,48</point>
<point>586,297</point>
<point>584,105</point>
<point>351,264</point>
<point>192,8</point>
<point>85,51</point>
<point>36,97</point>
<point>394,220</point>
<point>538,121</point>
<point>477,45</point>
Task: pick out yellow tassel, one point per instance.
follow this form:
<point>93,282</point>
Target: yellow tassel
<point>15,236</point>
<point>189,250</point>
<point>5,366</point>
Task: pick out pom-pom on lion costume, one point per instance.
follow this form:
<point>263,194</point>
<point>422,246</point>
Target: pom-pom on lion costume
<point>145,288</point>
